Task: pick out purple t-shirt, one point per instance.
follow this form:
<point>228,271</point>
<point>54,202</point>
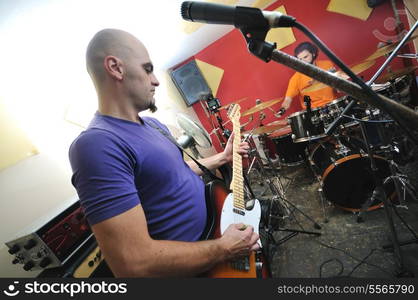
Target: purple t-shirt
<point>118,164</point>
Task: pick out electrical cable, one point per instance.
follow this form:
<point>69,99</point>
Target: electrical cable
<point>355,258</point>
<point>348,254</point>
<point>361,262</point>
<point>404,222</point>
<point>328,261</point>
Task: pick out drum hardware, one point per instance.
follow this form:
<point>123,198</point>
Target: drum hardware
<point>395,113</point>
<point>404,121</point>
<point>408,55</point>
<point>398,182</point>
<point>279,189</point>
<point>259,138</point>
<point>392,75</point>
<point>277,209</point>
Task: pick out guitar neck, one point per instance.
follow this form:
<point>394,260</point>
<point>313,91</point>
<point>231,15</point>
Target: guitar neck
<point>237,185</point>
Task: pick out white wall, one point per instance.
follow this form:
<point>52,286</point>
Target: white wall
<point>43,80</point>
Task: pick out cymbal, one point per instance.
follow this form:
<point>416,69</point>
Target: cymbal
<point>395,74</point>
<point>226,106</point>
<point>278,122</point>
<point>382,51</point>
<point>281,132</point>
<point>356,69</point>
<point>261,106</point>
<point>265,129</point>
<point>388,48</point>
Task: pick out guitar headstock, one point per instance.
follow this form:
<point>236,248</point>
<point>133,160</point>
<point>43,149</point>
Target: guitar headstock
<point>234,111</point>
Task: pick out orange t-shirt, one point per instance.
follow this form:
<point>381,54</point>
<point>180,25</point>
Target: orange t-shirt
<point>300,81</point>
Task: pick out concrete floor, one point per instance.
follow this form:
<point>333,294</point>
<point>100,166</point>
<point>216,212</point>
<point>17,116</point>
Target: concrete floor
<point>348,245</point>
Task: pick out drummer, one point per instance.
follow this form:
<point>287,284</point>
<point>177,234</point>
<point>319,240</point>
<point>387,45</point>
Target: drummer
<point>298,82</point>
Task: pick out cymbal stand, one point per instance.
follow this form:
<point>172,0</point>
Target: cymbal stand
<point>257,163</point>
<point>276,209</point>
<point>278,189</point>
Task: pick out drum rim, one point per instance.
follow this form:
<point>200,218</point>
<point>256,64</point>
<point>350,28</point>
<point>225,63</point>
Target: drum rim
<point>333,165</point>
<point>339,162</point>
<point>344,159</point>
<point>292,164</point>
<point>280,136</point>
<point>309,138</point>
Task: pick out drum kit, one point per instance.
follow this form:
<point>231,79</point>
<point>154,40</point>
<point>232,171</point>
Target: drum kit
<point>339,162</point>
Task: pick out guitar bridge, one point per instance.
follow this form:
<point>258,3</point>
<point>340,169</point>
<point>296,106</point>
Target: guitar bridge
<point>241,264</point>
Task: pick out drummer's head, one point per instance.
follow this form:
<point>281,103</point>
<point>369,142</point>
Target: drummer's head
<point>306,52</point>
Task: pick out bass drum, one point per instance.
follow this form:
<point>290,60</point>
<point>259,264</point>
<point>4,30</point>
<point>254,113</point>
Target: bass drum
<point>346,176</point>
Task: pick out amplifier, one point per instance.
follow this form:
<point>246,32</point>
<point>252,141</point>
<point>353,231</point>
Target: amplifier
<point>54,243</point>
<point>87,262</point>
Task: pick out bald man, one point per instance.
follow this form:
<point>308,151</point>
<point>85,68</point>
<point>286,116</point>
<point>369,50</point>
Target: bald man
<point>144,203</point>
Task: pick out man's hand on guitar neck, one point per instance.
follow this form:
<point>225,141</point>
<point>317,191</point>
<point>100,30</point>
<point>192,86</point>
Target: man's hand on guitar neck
<point>242,150</point>
<point>219,159</point>
<point>239,240</point>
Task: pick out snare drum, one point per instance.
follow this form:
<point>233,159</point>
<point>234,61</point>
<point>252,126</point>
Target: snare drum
<point>305,127</point>
<point>289,153</point>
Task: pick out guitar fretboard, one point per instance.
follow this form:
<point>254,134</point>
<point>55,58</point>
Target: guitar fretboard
<point>237,185</point>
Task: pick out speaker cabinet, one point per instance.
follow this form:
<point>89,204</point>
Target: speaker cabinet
<point>190,82</point>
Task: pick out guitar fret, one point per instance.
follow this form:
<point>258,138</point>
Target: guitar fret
<point>237,185</point>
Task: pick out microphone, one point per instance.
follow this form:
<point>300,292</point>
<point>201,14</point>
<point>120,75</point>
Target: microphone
<point>239,16</point>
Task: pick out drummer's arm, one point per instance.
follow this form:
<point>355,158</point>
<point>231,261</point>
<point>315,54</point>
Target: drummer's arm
<point>285,106</point>
<point>287,102</point>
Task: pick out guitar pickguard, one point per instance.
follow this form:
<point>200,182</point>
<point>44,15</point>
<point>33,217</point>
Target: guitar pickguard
<point>229,216</point>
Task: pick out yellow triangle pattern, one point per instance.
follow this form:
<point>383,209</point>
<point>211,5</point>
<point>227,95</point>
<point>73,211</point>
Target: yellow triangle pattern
<point>282,36</point>
<point>353,8</point>
<point>212,74</point>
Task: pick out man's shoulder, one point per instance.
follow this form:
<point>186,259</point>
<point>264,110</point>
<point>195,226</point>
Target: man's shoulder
<point>93,137</point>
<point>153,120</point>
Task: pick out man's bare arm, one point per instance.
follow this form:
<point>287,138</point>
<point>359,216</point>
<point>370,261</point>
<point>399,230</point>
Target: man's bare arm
<point>131,252</point>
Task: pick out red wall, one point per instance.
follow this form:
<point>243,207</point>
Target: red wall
<point>247,76</point>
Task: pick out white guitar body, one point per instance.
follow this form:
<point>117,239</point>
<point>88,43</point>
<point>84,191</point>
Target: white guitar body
<point>230,216</point>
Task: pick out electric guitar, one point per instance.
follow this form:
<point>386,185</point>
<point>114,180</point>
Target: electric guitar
<point>230,208</point>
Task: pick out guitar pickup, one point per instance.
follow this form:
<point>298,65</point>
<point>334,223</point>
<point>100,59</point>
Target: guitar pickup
<point>238,211</point>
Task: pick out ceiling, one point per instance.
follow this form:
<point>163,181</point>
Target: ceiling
<point>157,23</point>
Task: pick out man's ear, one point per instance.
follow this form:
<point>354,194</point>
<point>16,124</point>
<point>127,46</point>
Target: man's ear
<point>114,67</point>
